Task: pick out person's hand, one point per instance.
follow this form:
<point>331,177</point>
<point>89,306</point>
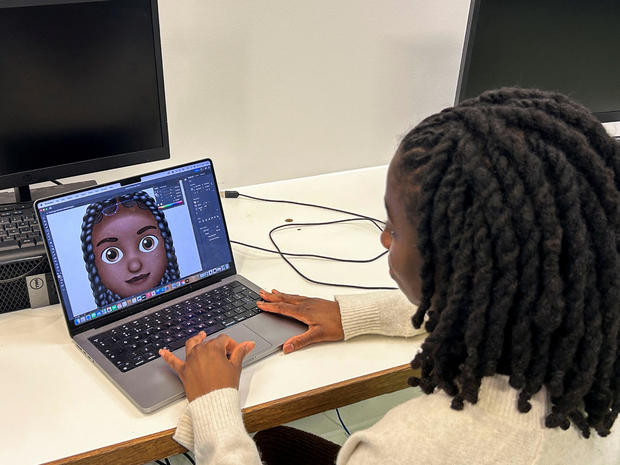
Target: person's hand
<point>322,317</point>
<point>210,365</point>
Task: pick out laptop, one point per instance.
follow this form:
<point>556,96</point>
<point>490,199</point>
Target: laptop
<point>145,263</point>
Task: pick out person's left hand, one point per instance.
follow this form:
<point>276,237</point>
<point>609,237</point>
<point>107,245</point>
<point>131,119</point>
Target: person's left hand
<point>210,365</point>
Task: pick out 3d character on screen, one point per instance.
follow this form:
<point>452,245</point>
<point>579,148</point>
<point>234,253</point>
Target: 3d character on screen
<point>127,247</point>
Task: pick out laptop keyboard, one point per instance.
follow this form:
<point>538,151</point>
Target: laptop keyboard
<point>138,342</point>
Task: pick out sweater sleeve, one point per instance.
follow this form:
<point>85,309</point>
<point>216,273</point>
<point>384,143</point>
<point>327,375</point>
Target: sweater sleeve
<point>386,312</point>
<point>212,426</point>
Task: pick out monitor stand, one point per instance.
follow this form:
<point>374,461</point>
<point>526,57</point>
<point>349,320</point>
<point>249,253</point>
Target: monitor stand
<point>25,194</point>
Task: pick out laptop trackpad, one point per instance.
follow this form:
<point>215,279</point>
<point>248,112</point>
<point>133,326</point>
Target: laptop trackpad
<point>241,333</point>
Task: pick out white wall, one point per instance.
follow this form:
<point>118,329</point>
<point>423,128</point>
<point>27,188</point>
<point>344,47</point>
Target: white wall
<point>274,89</point>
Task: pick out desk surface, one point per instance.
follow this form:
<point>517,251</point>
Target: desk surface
<point>57,404</point>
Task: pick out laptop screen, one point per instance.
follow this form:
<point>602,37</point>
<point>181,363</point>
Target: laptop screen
<point>118,245</point>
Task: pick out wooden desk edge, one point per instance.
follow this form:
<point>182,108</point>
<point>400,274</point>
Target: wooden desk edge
<point>258,417</point>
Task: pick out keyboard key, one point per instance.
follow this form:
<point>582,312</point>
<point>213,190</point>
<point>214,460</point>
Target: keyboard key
<point>176,344</point>
<point>214,328</point>
<point>27,243</point>
<point>9,245</point>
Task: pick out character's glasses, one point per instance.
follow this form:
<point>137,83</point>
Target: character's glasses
<point>113,208</point>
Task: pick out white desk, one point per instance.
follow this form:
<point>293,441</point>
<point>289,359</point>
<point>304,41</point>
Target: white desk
<point>56,404</point>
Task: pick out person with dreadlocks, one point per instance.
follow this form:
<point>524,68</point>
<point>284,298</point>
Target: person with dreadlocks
<point>127,247</point>
<point>503,227</point>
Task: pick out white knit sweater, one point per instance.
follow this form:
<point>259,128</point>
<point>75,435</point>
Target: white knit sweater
<point>423,430</point>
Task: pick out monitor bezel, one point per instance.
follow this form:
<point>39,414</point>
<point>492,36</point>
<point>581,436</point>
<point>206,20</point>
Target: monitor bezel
<point>470,31</point>
<point>92,165</point>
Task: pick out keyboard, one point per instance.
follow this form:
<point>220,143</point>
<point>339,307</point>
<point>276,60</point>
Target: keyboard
<point>20,235</point>
<point>133,344</point>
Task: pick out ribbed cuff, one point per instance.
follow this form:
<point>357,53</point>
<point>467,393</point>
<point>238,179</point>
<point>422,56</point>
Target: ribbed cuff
<point>386,312</point>
<point>359,315</point>
<point>215,413</point>
<point>184,434</point>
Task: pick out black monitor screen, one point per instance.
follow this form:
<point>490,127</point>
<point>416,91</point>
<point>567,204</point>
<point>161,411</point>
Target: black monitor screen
<point>566,46</point>
<point>79,81</point>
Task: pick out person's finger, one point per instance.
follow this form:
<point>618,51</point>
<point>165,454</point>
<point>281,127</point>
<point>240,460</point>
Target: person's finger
<point>223,344</point>
<point>301,341</point>
<point>194,341</point>
<point>240,351</point>
<point>175,363</point>
<point>276,296</point>
<point>270,296</point>
<point>283,309</point>
<point>229,344</point>
<point>289,298</point>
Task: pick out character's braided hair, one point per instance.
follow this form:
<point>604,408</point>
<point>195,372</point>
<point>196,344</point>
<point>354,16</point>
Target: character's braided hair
<point>516,196</point>
<point>103,295</point>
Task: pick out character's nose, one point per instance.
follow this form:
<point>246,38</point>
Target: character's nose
<point>134,264</point>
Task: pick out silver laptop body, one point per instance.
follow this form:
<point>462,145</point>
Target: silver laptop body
<point>126,256</point>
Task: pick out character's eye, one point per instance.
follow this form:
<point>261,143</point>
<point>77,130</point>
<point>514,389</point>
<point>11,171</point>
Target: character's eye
<point>112,255</point>
<point>148,243</point>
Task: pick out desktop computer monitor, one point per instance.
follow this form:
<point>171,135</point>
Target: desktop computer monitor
<point>81,88</point>
<point>557,45</point>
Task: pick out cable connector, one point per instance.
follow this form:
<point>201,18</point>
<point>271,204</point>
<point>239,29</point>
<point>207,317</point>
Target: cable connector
<point>229,194</point>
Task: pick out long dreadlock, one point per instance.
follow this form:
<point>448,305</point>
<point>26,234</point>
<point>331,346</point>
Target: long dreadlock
<point>517,208</point>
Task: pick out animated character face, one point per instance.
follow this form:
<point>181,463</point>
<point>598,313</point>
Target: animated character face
<point>129,250</point>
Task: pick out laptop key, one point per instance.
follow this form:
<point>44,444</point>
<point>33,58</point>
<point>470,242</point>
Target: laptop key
<point>248,314</point>
<point>9,245</point>
<point>176,344</point>
<point>214,328</point>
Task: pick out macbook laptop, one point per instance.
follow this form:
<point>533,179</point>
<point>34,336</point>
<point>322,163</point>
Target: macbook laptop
<point>145,263</point>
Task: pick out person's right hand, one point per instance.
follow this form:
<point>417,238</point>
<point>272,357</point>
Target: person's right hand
<point>322,317</point>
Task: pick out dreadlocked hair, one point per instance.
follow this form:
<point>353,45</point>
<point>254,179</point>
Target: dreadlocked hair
<point>94,214</point>
<point>516,205</point>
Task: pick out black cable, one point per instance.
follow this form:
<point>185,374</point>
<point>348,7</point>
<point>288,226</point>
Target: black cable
<point>55,181</point>
<point>346,430</point>
<point>352,286</point>
<point>235,194</point>
<point>358,217</point>
<point>188,457</point>
<point>306,255</point>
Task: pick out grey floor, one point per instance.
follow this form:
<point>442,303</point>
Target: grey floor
<point>356,416</point>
